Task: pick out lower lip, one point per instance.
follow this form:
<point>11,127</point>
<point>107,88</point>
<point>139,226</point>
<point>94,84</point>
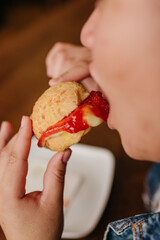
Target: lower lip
<point>109,123</point>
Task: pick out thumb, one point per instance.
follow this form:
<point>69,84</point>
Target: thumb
<point>76,73</point>
<point>54,178</point>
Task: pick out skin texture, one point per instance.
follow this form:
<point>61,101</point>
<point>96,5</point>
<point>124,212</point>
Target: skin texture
<point>68,62</point>
<point>126,35</point>
<point>37,215</point>
<point>122,57</point>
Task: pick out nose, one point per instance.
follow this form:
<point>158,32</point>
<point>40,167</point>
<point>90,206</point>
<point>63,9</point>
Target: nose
<point>87,32</point>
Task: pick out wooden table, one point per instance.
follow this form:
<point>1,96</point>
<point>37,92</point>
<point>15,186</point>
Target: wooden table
<point>23,48</point>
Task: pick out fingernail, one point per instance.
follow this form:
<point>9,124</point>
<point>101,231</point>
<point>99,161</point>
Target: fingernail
<point>66,156</point>
<point>23,121</point>
<point>51,83</point>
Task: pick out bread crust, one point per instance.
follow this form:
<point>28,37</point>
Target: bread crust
<point>53,105</point>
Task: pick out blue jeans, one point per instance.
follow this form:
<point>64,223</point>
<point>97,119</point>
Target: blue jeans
<point>141,227</point>
<point>145,226</point>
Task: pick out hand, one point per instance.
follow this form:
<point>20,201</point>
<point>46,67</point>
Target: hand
<point>37,215</point>
<point>67,62</point>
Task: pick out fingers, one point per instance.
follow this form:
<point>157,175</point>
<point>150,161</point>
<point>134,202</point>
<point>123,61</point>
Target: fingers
<point>63,56</point>
<point>76,73</point>
<point>23,141</point>
<point>90,84</point>
<point>54,179</point>
<point>13,162</point>
<point>56,59</point>
<point>6,132</point>
<point>55,67</point>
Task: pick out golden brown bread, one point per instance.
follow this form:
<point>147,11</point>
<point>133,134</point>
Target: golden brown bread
<point>53,105</point>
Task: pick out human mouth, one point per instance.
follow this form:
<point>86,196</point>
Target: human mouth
<point>95,78</point>
<point>109,122</point>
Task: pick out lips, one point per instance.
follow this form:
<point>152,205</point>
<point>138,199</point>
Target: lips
<point>109,123</point>
<point>94,77</point>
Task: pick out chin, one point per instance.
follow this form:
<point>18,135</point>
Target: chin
<point>134,151</point>
<point>133,154</point>
<point>138,151</point>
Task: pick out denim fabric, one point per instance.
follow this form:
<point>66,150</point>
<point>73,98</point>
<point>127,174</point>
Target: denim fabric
<point>151,196</point>
<point>146,226</point>
<point>153,179</point>
<point>140,227</point>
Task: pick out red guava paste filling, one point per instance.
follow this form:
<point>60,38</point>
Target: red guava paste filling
<point>74,122</point>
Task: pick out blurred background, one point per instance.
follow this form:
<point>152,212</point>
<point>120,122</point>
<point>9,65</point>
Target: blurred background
<point>28,29</point>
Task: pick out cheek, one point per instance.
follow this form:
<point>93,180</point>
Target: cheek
<point>123,65</point>
<point>122,42</point>
<point>114,61</point>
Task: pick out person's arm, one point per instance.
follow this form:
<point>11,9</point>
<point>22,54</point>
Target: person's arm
<point>37,215</point>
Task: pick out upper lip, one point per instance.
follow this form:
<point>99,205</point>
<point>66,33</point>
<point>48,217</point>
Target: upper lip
<point>91,70</point>
<point>92,73</point>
